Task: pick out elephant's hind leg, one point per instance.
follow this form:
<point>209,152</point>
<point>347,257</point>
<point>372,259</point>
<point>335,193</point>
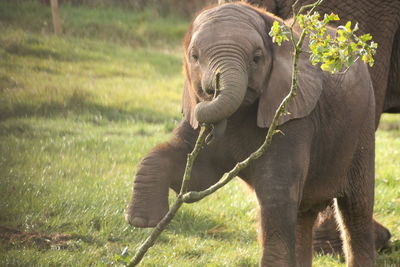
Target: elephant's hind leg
<point>357,233</point>
<point>355,208</point>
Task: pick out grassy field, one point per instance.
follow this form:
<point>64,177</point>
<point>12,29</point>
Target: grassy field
<point>78,112</point>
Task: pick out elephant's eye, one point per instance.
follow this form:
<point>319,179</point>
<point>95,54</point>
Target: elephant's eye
<point>194,56</point>
<point>257,56</point>
<point>256,59</point>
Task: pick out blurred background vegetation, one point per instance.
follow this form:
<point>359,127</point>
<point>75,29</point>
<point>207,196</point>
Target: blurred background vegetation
<point>184,8</point>
<point>78,112</point>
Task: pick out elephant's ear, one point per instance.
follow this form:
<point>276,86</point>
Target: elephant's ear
<point>188,104</point>
<point>189,98</point>
<point>278,86</point>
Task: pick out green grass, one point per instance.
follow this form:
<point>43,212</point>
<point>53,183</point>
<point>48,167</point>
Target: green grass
<point>78,112</point>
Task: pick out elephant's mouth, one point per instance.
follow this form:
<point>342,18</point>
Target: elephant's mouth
<point>207,94</point>
<point>210,94</point>
<point>251,95</point>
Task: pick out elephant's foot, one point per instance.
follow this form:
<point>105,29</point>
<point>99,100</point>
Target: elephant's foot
<point>327,240</point>
<point>145,217</point>
<point>382,236</point>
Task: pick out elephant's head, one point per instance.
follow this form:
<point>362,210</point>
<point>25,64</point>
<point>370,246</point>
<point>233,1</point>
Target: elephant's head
<point>230,62</point>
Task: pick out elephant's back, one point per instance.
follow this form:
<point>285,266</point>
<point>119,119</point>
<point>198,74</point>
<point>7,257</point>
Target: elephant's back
<point>343,120</point>
<point>347,96</point>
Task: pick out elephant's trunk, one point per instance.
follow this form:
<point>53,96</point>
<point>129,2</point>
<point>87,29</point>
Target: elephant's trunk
<point>233,83</point>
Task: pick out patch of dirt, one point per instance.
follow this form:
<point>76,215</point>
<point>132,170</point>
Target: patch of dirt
<point>15,237</point>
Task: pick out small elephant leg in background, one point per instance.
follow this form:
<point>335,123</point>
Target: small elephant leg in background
<point>326,235</point>
<point>305,222</point>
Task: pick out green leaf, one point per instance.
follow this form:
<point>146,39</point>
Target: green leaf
<point>348,26</point>
<point>278,33</point>
<point>333,52</point>
<point>301,20</point>
<point>325,67</point>
<point>371,61</point>
<point>331,17</point>
<point>285,38</point>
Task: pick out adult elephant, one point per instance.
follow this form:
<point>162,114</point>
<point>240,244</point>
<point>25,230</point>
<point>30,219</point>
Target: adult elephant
<point>327,150</point>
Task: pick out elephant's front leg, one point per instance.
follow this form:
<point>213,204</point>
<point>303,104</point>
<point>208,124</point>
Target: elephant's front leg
<point>278,178</point>
<point>278,226</point>
<point>154,176</point>
<point>278,191</point>
<point>159,170</point>
<point>163,168</point>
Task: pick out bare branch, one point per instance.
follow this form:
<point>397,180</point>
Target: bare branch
<point>191,158</point>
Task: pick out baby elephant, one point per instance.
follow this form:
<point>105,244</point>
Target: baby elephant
<point>325,154</point>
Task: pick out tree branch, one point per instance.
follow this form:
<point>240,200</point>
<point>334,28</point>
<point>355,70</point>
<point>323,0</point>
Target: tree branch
<point>191,158</point>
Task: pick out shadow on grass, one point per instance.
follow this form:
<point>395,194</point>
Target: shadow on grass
<point>188,223</point>
<point>94,112</point>
<point>29,49</point>
<point>28,46</point>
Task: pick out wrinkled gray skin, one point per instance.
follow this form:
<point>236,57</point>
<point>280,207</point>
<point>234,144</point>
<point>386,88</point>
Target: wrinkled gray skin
<point>326,152</point>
